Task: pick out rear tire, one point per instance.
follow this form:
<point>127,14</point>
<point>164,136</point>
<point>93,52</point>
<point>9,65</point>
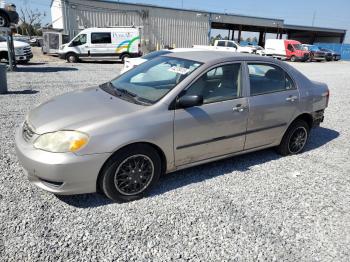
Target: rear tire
<point>130,173</point>
<point>295,138</point>
<point>72,58</point>
<point>4,21</point>
<point>292,58</point>
<point>123,57</point>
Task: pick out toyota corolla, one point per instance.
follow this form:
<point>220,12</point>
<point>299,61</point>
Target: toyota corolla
<point>172,112</point>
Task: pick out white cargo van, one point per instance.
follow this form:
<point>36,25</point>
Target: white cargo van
<point>102,43</point>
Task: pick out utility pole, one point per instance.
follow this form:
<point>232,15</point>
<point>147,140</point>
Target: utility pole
<point>313,18</point>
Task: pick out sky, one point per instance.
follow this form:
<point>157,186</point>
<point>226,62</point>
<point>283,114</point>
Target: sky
<point>333,14</point>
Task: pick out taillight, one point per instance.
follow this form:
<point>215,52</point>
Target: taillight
<point>326,94</point>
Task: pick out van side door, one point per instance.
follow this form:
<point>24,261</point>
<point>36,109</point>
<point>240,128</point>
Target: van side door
<point>100,44</point>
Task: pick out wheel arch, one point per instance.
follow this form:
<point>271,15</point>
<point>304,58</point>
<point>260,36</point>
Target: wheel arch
<point>307,117</point>
<point>71,52</point>
<point>157,148</point>
<point>124,53</point>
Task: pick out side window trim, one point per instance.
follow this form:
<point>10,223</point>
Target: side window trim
<point>294,83</point>
<point>100,33</point>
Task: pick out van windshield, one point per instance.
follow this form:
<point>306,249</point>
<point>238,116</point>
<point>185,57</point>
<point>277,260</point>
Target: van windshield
<point>299,47</point>
<point>152,80</point>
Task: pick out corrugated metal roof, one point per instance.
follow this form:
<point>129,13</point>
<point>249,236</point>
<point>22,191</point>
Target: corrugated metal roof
<point>313,28</point>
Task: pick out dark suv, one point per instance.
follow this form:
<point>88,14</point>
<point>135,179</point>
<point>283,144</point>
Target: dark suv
<point>8,15</point>
<point>316,54</point>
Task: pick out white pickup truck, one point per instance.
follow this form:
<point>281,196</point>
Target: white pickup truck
<point>23,51</point>
<point>228,45</point>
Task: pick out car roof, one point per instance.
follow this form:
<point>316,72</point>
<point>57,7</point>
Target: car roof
<point>218,56</point>
<point>177,50</point>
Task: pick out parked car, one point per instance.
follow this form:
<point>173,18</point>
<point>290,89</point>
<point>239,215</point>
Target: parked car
<point>8,15</point>
<point>174,111</point>
<point>330,54</point>
<point>102,43</point>
<point>260,50</point>
<point>228,45</point>
<point>286,49</point>
<point>316,54</point>
<point>133,62</point>
<point>23,51</point>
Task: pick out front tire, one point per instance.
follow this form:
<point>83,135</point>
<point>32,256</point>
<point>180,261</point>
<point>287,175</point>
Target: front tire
<point>123,57</point>
<point>295,138</point>
<point>72,58</point>
<point>130,173</point>
<point>293,58</point>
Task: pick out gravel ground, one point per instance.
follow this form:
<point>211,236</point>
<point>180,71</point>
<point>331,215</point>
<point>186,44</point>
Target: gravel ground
<point>248,208</point>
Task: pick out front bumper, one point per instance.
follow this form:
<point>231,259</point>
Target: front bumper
<point>59,173</point>
<point>24,57</point>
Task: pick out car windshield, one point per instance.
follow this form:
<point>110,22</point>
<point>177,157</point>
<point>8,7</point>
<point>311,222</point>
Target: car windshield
<point>150,81</point>
<point>314,48</point>
<point>298,47</point>
<point>155,54</point>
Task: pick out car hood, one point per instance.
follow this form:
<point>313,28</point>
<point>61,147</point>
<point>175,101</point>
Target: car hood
<point>20,44</point>
<point>79,110</point>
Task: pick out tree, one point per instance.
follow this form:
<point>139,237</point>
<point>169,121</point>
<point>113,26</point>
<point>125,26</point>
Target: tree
<point>255,39</point>
<point>30,21</point>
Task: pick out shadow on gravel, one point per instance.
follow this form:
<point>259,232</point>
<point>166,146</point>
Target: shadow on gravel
<point>22,92</point>
<point>319,137</point>
<point>86,200</point>
<point>45,69</point>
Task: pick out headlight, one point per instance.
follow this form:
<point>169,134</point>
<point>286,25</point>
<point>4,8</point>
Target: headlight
<point>62,141</point>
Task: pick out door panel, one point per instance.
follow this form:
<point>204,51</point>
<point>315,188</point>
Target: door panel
<point>209,130</point>
<point>272,103</point>
<point>268,116</point>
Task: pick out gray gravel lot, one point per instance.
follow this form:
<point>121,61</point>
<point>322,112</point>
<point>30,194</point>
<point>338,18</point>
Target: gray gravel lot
<point>253,207</point>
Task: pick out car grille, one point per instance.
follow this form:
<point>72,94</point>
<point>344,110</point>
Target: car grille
<point>27,132</point>
<point>27,51</point>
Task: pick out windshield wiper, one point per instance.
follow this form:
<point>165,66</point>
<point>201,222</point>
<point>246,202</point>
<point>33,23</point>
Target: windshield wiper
<point>126,92</point>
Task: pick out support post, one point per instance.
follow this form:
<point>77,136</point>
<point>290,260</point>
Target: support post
<point>261,38</point>
<point>239,34</point>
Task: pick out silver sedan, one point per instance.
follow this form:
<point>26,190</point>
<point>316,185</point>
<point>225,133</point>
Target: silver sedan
<point>172,112</point>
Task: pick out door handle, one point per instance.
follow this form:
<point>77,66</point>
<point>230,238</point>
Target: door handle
<point>239,108</point>
<point>291,98</point>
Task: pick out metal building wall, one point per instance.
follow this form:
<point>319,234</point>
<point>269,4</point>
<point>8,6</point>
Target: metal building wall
<point>160,26</point>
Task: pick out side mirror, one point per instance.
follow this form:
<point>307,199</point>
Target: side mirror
<point>189,101</point>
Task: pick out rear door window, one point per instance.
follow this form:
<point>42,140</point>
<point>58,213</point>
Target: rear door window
<point>221,43</point>
<point>268,78</point>
<point>101,38</point>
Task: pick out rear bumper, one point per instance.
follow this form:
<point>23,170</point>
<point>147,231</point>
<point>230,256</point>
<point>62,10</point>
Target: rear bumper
<point>59,173</point>
<point>317,118</point>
